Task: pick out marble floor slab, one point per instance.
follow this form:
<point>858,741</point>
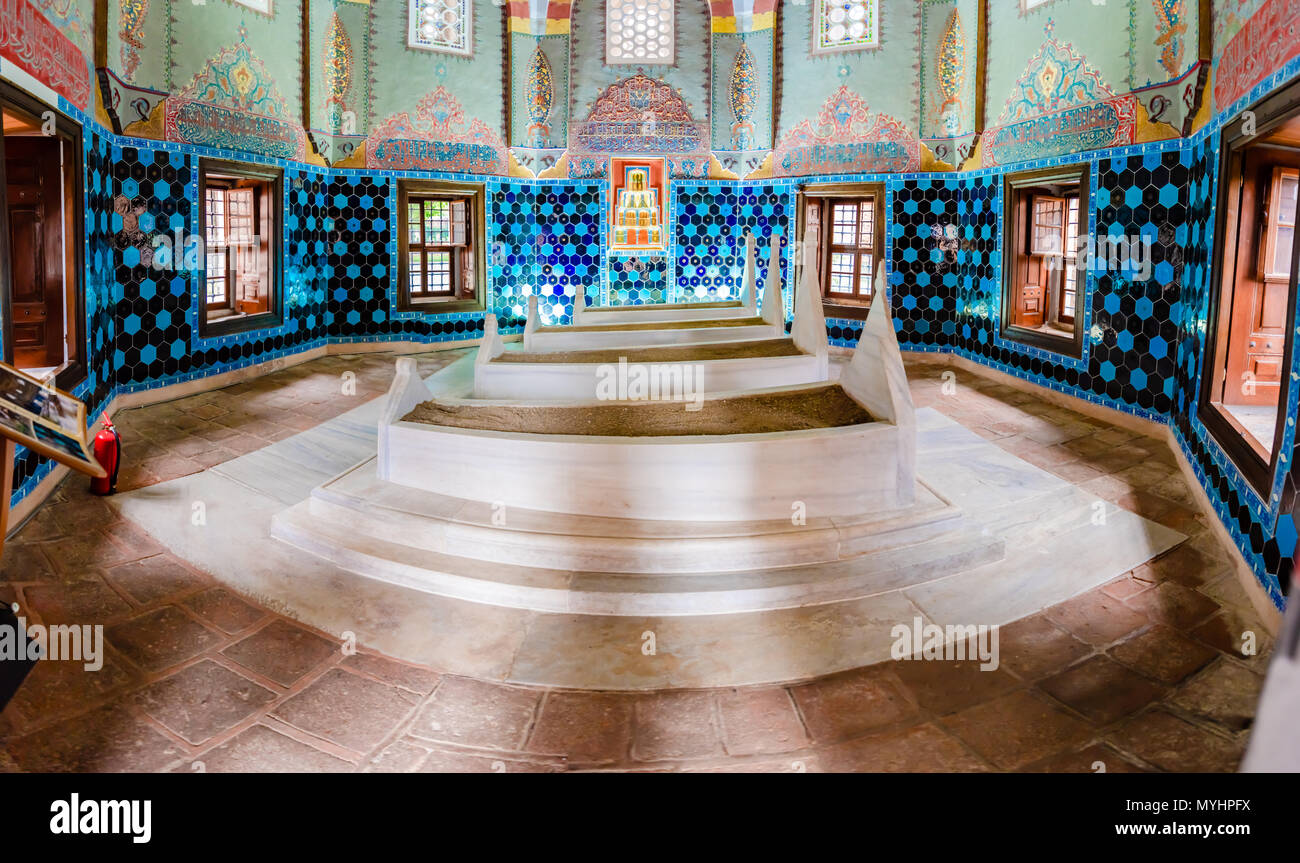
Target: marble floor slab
<point>1062,542</point>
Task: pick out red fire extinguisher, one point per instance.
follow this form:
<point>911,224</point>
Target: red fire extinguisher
<point>108,452</point>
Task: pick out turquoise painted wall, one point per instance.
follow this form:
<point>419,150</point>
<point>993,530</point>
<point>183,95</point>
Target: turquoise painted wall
<point>590,75</point>
<point>402,75</point>
<point>886,77</point>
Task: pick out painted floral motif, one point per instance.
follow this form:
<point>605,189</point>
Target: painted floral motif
<point>847,137</point>
<point>952,71</point>
<point>439,138</point>
<point>539,95</point>
<point>234,103</point>
<point>1170,30</point>
<point>236,79</point>
<point>337,70</point>
<point>1060,105</point>
<point>742,96</point>
<point>1057,77</point>
<point>131,29</point>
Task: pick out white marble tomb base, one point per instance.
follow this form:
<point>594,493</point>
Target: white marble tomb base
<point>1057,551</point>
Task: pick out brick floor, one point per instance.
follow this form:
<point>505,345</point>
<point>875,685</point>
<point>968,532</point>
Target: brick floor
<point>1146,673</point>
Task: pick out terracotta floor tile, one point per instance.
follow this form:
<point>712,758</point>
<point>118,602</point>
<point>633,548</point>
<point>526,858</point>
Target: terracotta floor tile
<point>262,750</point>
<point>108,740</point>
<point>397,757</point>
<point>1101,689</point>
<point>760,721</point>
<point>1035,646</point>
<point>410,677</point>
<point>153,578</point>
<point>224,610</point>
<point>477,713</point>
<point>587,727</point>
<point>25,562</point>
<point>1091,759</point>
<point>87,601</point>
<point>76,555</point>
<point>675,725</point>
<point>161,638</point>
<point>1096,618</point>
<point>1174,604</point>
<point>1239,634</point>
<point>202,700</point>
<point>942,687</point>
<point>1226,694</point>
<point>1017,729</point>
<point>53,688</point>
<point>923,749</point>
<point>852,703</point>
<point>1162,654</point>
<point>447,761</point>
<point>348,709</point>
<point>281,651</point>
<point>1176,745</point>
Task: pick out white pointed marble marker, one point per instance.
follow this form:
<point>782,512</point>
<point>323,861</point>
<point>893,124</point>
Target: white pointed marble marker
<point>750,287</point>
<point>533,324</point>
<point>491,347</point>
<point>773,305</point>
<point>809,327</point>
<point>875,378</point>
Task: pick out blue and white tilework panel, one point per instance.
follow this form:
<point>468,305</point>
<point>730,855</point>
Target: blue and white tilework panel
<point>544,239</point>
<point>707,246</point>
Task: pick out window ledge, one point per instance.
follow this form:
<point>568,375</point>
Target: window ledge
<point>441,307</point>
<point>230,325</point>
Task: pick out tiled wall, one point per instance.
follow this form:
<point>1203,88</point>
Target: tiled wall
<point>1143,337</point>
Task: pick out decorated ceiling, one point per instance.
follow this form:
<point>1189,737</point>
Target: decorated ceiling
<point>723,88</point>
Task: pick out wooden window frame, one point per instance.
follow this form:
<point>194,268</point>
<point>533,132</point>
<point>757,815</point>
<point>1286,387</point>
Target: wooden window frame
<point>1255,468</point>
<point>74,369</point>
<point>474,196</point>
<point>1269,238</point>
<point>1016,235</point>
<point>268,226</point>
<point>827,195</point>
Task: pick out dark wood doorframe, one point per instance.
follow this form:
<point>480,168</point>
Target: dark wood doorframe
<point>74,370</point>
<point>33,172</point>
<point>1270,113</point>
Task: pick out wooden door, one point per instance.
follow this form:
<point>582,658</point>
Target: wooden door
<point>35,207</point>
<point>1029,299</point>
<point>1257,324</point>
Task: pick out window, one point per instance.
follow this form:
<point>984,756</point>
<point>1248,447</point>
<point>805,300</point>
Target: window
<point>1252,290</point>
<point>441,250</point>
<point>639,31</point>
<point>847,224</point>
<point>1041,266</point>
<point>846,26</point>
<point>241,246</point>
<point>441,25</point>
<point>42,301</point>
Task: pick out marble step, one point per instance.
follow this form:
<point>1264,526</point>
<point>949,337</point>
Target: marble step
<point>618,335</point>
<point>551,590</point>
<point>360,502</point>
<point>596,315</point>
